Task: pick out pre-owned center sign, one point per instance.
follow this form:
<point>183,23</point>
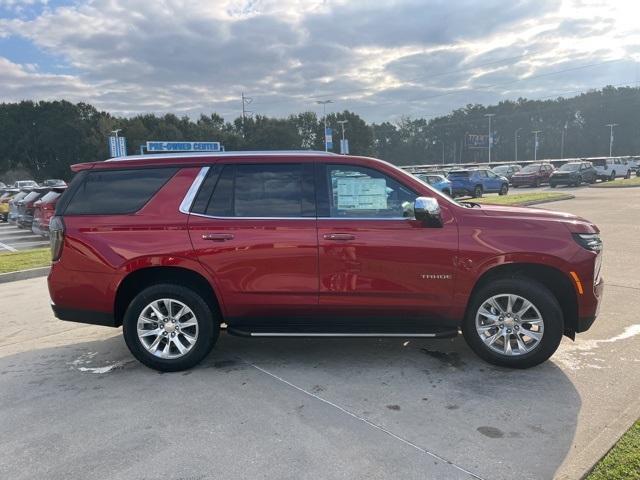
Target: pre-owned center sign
<point>184,147</point>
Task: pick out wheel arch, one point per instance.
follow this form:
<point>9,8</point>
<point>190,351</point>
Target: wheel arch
<point>554,279</point>
<point>145,277</point>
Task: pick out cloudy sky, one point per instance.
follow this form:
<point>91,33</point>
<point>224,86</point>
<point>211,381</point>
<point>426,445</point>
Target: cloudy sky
<point>381,59</point>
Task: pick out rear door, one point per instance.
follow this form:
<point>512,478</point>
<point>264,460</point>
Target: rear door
<point>493,181</point>
<point>376,262</point>
<point>253,226</point>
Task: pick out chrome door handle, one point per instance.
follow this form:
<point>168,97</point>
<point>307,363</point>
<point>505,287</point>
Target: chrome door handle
<point>217,237</point>
<point>338,236</point>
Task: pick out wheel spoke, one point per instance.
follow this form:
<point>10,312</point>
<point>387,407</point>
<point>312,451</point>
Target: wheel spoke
<point>526,305</point>
<point>147,319</point>
<point>510,303</point>
<point>522,347</point>
<point>494,304</point>
<point>154,345</point>
<point>159,315</point>
<point>531,334</point>
<point>188,323</point>
<point>486,328</point>
<point>178,343</point>
<point>148,333</point>
<point>180,313</point>
<point>491,340</point>
<point>507,344</point>
<point>190,338</point>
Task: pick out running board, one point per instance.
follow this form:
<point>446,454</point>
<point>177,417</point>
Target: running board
<point>431,334</point>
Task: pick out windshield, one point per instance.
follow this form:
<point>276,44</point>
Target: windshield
<point>459,174</point>
<point>501,170</point>
<point>569,167</point>
<point>530,169</point>
<point>50,197</point>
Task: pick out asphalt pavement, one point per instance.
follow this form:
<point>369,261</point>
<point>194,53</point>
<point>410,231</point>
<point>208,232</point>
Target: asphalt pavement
<point>13,238</point>
<point>74,403</point>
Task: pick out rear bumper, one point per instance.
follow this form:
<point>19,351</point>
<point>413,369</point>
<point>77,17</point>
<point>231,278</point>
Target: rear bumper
<point>84,316</point>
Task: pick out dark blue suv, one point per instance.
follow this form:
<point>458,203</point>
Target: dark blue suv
<point>475,182</point>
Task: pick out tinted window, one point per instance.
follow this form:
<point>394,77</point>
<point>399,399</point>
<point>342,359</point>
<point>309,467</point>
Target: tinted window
<point>116,191</point>
<point>263,190</point>
<point>366,193</point>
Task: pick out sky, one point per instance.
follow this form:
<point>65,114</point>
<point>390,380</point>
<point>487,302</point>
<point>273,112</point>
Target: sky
<point>381,59</point>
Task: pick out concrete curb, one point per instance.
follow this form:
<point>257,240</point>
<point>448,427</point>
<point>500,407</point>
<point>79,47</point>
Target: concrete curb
<point>24,274</point>
<point>605,186</point>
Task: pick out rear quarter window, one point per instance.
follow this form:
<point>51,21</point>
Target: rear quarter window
<point>111,192</point>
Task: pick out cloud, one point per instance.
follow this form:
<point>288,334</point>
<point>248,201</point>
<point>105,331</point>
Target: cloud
<point>380,59</point>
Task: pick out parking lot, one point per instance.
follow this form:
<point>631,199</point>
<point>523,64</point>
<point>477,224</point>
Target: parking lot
<point>76,404</point>
<point>13,239</point>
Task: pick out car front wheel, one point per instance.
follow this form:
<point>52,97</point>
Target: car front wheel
<point>504,189</point>
<point>477,192</point>
<point>514,322</point>
<point>169,327</point>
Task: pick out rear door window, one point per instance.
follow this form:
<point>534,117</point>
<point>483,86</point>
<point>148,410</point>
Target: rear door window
<point>258,191</point>
<point>111,192</point>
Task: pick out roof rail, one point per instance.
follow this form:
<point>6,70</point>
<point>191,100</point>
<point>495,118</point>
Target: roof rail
<point>242,153</point>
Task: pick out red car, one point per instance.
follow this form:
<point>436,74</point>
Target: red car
<point>533,175</point>
<point>311,244</point>
<point>43,211</point>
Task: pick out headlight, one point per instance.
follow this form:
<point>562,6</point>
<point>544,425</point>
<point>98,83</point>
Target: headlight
<point>590,241</point>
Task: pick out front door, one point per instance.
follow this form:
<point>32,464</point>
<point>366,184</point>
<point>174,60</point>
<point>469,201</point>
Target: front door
<point>376,261</point>
<point>253,226</point>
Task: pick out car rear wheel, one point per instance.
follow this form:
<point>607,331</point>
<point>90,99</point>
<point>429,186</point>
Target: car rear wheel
<point>536,183</point>
<point>513,322</point>
<point>169,327</point>
<point>628,175</point>
<point>504,189</point>
<point>477,192</point>
<point>612,176</point>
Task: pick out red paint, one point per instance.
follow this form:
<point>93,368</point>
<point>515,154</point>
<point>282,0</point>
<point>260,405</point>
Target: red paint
<point>298,267</point>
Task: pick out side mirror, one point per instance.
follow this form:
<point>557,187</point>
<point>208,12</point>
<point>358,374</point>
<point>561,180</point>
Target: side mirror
<point>427,210</point>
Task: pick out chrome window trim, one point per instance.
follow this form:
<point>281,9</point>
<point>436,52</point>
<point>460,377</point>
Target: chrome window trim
<point>188,199</point>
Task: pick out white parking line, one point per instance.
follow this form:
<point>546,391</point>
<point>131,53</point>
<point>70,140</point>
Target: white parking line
<point>7,247</point>
<point>364,420</point>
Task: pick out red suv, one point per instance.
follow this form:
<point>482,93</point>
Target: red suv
<point>311,244</point>
<point>534,175</point>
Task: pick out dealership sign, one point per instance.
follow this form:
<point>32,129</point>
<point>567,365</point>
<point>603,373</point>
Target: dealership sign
<point>477,141</point>
<point>117,146</point>
<point>184,147</point>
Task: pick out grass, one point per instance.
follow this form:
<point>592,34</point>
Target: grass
<point>621,182</point>
<point>623,460</point>
<point>14,261</point>
<point>523,198</point>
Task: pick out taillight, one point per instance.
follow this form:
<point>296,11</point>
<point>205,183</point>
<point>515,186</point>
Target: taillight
<point>56,237</point>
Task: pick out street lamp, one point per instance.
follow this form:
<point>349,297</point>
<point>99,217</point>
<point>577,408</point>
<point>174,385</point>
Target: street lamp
<point>324,114</point>
<point>535,144</point>
<point>489,115</point>
<point>516,139</point>
<point>611,125</point>
<point>342,145</point>
<point>115,132</point>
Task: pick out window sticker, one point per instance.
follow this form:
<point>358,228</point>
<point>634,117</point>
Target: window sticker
<point>362,193</point>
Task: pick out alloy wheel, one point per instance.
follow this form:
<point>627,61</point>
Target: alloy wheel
<point>509,324</point>
<point>167,328</point>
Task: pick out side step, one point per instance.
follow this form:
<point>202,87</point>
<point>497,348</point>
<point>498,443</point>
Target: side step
<point>359,331</point>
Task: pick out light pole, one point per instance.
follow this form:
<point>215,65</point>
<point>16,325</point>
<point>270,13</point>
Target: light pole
<point>489,115</point>
<point>564,131</point>
<point>342,122</point>
<point>115,132</point>
<point>324,114</point>
<point>535,144</point>
<point>611,125</point>
<point>516,139</point>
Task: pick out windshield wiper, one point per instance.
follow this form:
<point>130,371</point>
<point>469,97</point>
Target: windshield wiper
<point>470,204</point>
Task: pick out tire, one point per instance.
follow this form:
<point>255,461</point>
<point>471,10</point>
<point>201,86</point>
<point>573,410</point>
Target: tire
<point>477,192</point>
<point>612,176</point>
<point>205,332</point>
<point>628,175</point>
<point>536,183</point>
<point>545,306</point>
<point>504,189</point>
<point>579,181</point>
<point>552,185</point>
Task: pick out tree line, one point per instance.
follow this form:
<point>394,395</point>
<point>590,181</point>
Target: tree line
<point>45,137</point>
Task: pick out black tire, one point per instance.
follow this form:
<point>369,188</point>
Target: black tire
<point>477,192</point>
<point>552,185</point>
<point>612,176</point>
<point>208,327</point>
<point>628,175</point>
<point>542,299</point>
<point>579,181</point>
<point>536,183</point>
<point>504,189</point>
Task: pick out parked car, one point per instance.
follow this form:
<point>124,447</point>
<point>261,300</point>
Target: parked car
<point>43,210</point>
<point>54,182</point>
<point>534,175</point>
<point>573,173</point>
<point>611,168</point>
<point>506,171</point>
<point>476,182</point>
<point>25,207</point>
<point>25,184</point>
<point>3,186</point>
<point>5,198</point>
<point>311,244</point>
<point>437,181</point>
<point>12,216</point>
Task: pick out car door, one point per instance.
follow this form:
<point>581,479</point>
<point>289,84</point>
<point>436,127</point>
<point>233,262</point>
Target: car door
<point>493,181</point>
<point>253,227</point>
<point>375,261</point>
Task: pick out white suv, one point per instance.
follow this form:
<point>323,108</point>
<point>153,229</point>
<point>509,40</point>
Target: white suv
<point>611,168</point>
